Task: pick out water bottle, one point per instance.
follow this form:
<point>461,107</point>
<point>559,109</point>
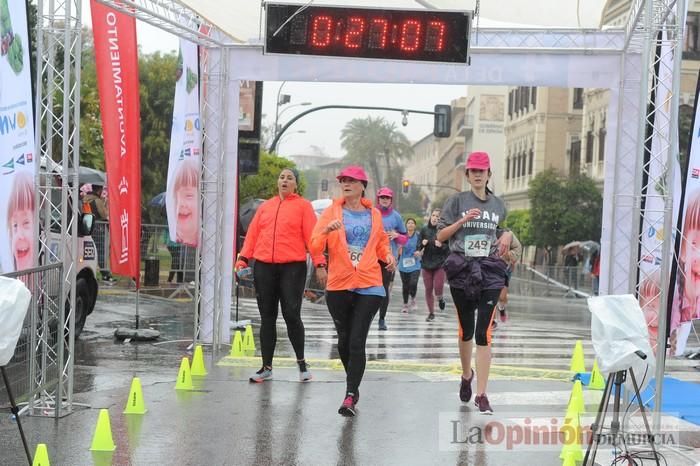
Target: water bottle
<point>244,272</point>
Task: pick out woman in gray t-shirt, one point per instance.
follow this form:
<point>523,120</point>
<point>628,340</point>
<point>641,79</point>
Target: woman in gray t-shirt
<point>475,269</point>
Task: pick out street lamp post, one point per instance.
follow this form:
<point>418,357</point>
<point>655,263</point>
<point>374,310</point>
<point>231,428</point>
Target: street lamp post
<point>286,136</point>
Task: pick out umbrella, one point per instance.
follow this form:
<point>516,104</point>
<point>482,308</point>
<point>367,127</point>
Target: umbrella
<point>158,200</point>
<point>91,175</point>
<point>573,244</point>
<point>590,246</point>
<point>246,213</point>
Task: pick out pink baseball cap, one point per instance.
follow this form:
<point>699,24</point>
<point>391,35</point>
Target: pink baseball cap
<point>478,161</point>
<point>384,191</point>
<point>353,171</point>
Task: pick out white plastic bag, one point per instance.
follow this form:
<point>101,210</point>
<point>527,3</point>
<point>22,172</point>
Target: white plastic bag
<point>619,331</point>
<point>14,302</point>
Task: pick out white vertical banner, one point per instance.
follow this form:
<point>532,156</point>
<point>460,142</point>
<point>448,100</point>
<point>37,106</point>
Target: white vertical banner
<point>659,170</point>
<point>18,213</point>
<point>182,197</point>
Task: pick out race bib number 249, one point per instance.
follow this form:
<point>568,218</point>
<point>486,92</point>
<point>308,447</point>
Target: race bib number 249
<point>477,245</point>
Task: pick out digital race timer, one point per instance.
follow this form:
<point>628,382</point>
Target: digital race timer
<point>424,35</point>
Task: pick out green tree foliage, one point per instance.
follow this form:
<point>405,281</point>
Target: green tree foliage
<point>263,185</point>
<point>157,91</point>
<point>563,210</point>
<point>520,223</point>
<point>411,202</point>
<point>378,146</point>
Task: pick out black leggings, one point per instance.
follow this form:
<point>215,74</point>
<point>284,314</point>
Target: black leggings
<point>387,278</point>
<point>484,304</point>
<point>277,284</point>
<point>352,315</point>
<point>409,280</point>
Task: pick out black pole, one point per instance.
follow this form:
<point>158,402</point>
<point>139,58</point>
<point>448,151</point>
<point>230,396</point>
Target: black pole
<point>15,412</point>
<point>279,134</point>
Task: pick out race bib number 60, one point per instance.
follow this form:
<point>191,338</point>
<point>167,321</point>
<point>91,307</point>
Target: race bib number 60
<point>355,254</point>
<point>477,245</point>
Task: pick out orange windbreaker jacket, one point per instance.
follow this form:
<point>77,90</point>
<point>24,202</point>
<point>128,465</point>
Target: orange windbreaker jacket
<point>341,273</point>
<point>280,231</point>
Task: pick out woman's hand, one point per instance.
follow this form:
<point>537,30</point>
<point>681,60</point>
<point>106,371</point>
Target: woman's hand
<point>392,234</point>
<point>333,225</point>
<point>322,275</point>
<point>471,214</point>
<point>425,242</point>
<point>390,262</point>
<point>504,245</point>
<point>438,244</point>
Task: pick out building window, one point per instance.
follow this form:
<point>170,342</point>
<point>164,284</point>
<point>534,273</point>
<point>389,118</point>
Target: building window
<point>526,98</point>
<point>524,167</point>
<point>517,170</point>
<point>533,97</point>
<point>578,98</point>
<point>691,48</point>
<point>510,104</point>
<point>575,157</point>
<point>507,168</point>
<point>531,160</point>
<point>601,144</point>
<point>589,146</point>
<point>513,168</point>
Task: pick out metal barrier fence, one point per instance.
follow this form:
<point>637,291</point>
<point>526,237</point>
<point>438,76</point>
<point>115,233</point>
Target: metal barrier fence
<point>162,260</point>
<point>34,372</point>
<point>550,280</point>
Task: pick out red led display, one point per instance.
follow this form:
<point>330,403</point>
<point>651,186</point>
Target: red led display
<point>368,33</point>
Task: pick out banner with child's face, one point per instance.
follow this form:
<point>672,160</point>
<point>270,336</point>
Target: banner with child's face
<point>182,197</point>
<point>18,213</point>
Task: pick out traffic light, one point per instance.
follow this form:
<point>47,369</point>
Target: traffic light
<point>442,121</point>
<point>324,185</point>
<point>405,184</point>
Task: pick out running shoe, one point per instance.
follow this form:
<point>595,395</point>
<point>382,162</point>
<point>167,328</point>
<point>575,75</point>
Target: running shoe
<point>502,313</point>
<point>347,409</point>
<point>382,325</point>
<point>304,373</point>
<point>265,373</point>
<point>441,303</point>
<point>430,318</point>
<point>465,388</point>
<point>482,402</point>
<point>404,309</point>
<point>412,304</point>
<point>494,325</point>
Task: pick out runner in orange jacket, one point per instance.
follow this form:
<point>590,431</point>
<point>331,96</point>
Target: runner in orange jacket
<point>352,231</point>
<point>278,238</point>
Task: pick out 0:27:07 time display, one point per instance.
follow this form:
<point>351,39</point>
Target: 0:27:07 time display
<point>368,33</point>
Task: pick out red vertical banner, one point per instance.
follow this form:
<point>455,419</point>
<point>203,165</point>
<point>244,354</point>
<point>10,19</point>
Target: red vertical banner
<point>116,57</point>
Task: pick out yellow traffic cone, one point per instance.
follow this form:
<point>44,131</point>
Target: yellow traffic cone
<point>248,339</point>
<point>135,403</point>
<point>184,377</point>
<point>569,459</point>
<point>578,364</point>
<point>198,368</point>
<point>597,381</point>
<point>576,402</point>
<point>237,346</point>
<point>41,456</point>
<point>571,437</point>
<point>102,440</point>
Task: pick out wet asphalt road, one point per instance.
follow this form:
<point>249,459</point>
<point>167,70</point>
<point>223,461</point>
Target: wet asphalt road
<point>403,417</point>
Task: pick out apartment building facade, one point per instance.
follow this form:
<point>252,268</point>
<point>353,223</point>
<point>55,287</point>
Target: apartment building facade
<point>542,131</point>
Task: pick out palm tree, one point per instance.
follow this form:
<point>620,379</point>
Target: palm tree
<point>377,145</point>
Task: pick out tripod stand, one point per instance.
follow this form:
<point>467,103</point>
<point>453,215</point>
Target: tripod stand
<point>615,381</point>
<point>15,412</point>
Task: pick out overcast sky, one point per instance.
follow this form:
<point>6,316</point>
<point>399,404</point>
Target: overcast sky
<point>323,128</point>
